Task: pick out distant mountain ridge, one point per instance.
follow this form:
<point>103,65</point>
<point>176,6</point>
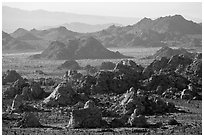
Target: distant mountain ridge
<point>175,24</point>
<point>23,34</point>
<point>13,18</point>
<point>12,44</point>
<point>83,27</point>
<point>151,33</point>
<point>164,31</point>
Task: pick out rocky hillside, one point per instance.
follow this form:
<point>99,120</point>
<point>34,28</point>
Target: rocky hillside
<point>12,44</point>
<point>169,52</point>
<point>23,34</point>
<point>85,48</point>
<point>41,39</point>
<point>170,30</point>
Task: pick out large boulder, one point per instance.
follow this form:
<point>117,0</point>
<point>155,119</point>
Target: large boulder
<point>186,94</point>
<point>29,120</point>
<point>128,65</point>
<point>10,92</point>
<point>158,106</point>
<point>17,103</point>
<point>141,103</point>
<point>10,76</point>
<point>14,89</point>
<point>156,65</point>
<point>26,93</point>
<point>90,69</point>
<point>88,117</point>
<point>74,75</point>
<point>103,79</point>
<point>62,95</point>
<point>137,120</point>
<point>118,122</point>
<point>132,101</point>
<point>70,64</point>
<point>36,91</point>
<point>85,84</point>
<point>33,91</point>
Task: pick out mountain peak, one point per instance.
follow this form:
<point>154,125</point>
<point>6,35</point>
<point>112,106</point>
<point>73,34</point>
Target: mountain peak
<point>4,34</point>
<point>62,28</point>
<point>112,26</point>
<point>145,19</point>
<point>91,42</point>
<point>21,30</point>
<point>177,16</point>
<point>33,29</point>
<point>86,48</point>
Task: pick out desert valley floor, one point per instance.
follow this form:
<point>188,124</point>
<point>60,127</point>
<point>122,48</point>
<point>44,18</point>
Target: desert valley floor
<point>55,119</point>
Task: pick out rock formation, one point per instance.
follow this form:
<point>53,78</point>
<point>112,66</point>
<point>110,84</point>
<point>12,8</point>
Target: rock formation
<point>70,64</point>
<point>62,95</point>
<point>29,120</point>
<point>88,117</point>
<point>10,76</point>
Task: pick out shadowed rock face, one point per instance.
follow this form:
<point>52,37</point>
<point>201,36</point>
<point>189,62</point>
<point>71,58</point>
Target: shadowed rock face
<point>10,76</point>
<point>62,95</point>
<point>86,48</point>
<point>29,120</point>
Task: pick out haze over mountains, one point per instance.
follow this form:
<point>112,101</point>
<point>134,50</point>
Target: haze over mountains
<point>164,31</point>
<point>82,27</point>
<point>13,18</point>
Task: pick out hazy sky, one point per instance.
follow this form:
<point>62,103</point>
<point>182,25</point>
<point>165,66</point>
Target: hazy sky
<point>123,9</point>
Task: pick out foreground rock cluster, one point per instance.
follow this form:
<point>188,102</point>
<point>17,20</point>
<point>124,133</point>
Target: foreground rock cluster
<point>127,94</point>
